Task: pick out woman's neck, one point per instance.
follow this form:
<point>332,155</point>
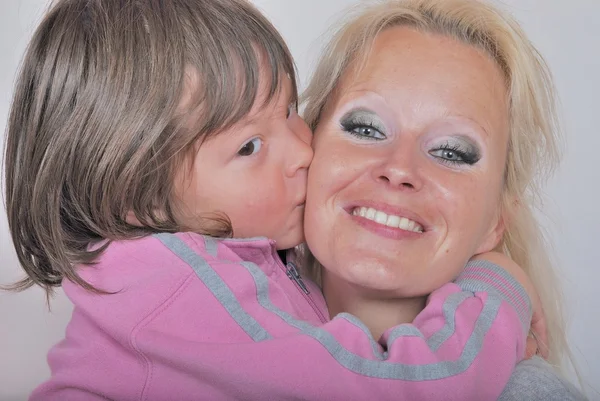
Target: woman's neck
<point>378,311</point>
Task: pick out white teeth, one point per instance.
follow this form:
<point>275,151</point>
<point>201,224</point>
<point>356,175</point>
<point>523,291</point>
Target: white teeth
<point>381,217</point>
<point>404,224</point>
<point>370,213</point>
<point>392,221</point>
<point>388,220</point>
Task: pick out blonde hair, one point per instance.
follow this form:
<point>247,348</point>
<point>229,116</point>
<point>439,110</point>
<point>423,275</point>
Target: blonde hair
<point>96,130</point>
<point>534,127</point>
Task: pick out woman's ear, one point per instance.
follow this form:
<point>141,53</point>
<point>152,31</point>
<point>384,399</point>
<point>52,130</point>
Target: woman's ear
<point>494,236</point>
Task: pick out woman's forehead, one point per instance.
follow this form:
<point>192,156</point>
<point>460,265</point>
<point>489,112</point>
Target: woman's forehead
<point>409,71</point>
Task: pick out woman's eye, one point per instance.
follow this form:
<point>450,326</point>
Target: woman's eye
<point>458,150</point>
<point>364,132</point>
<point>363,124</point>
<point>368,132</point>
<point>250,147</point>
<point>454,155</point>
<point>448,154</point>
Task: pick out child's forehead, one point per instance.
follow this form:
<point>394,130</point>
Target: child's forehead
<point>282,97</point>
<point>251,93</point>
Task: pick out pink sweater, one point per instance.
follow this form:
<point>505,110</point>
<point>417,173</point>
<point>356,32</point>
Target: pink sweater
<point>194,318</point>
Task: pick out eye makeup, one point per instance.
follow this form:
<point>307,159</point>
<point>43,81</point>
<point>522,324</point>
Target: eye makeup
<point>457,149</point>
<point>363,124</point>
<point>444,138</point>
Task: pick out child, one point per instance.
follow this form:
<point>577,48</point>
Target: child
<point>142,131</point>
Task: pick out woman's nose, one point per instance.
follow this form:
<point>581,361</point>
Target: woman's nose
<point>399,170</point>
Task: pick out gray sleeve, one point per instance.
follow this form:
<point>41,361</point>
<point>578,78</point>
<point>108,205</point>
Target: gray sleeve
<point>535,380</point>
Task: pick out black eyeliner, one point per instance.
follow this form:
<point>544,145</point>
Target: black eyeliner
<point>361,118</point>
<point>470,155</point>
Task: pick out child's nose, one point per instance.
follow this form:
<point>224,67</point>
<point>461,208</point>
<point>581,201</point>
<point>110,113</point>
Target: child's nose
<point>300,153</point>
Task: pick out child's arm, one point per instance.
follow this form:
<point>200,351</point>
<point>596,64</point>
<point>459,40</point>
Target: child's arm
<point>537,342</point>
<point>465,344</point>
<point>233,340</point>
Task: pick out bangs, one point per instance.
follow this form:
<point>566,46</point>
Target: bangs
<point>233,69</point>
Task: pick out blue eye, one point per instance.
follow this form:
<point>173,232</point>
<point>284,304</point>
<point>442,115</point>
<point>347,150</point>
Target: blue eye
<point>454,154</point>
<point>363,124</point>
<point>447,154</point>
<point>251,147</point>
<point>364,131</point>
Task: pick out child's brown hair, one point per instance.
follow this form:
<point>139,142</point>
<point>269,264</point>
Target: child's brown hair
<point>95,133</point>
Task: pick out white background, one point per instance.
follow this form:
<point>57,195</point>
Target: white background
<point>566,32</point>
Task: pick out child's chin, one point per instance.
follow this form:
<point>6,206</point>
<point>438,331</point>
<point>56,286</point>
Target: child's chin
<point>290,242</point>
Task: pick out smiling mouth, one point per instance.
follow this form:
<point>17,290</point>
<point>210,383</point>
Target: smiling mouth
<point>387,220</point>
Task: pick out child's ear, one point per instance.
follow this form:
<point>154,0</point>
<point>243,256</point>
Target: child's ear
<point>131,219</point>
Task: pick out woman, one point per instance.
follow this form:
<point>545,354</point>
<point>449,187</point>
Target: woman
<point>434,125</point>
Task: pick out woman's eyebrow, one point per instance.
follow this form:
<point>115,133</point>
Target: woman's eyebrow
<point>359,110</point>
<point>470,121</point>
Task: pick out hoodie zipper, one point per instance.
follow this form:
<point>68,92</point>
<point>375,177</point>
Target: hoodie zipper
<point>292,272</point>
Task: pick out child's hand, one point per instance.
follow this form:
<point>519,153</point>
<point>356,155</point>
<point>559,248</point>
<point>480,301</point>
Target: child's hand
<point>538,338</point>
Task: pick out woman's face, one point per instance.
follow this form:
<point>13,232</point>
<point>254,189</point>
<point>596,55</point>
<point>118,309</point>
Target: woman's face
<point>407,175</point>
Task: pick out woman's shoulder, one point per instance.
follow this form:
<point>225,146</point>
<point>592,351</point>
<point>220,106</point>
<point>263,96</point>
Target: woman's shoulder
<point>536,380</point>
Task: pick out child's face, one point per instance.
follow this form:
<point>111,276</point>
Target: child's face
<point>255,172</point>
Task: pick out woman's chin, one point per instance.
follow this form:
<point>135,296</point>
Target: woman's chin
<point>380,278</point>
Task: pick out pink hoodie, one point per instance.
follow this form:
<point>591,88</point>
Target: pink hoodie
<point>195,318</point>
